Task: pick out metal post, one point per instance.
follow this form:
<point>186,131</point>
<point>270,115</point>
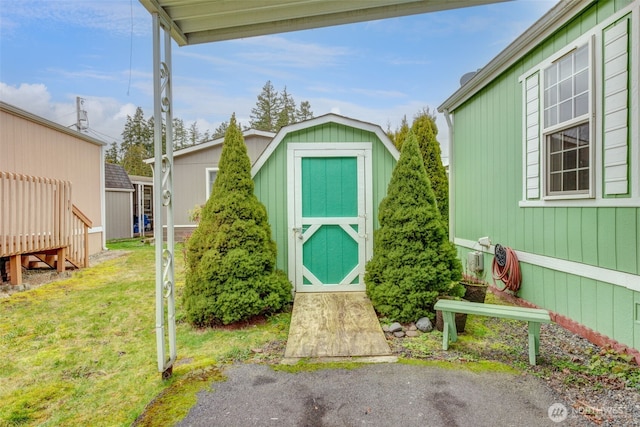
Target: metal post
<point>163,189</point>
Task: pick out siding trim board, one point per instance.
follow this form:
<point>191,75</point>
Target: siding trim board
<point>614,277</point>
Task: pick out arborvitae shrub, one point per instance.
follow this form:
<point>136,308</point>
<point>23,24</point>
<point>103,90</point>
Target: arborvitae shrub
<point>231,256</point>
<point>413,261</point>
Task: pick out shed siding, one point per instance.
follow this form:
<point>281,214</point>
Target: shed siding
<point>488,187</point>
<point>33,149</point>
<point>271,180</point>
<point>119,207</point>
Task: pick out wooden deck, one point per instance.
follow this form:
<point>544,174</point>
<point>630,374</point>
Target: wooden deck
<point>335,325</point>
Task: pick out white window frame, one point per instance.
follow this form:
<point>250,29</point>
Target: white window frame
<point>545,132</point>
<point>529,196</point>
<point>207,182</point>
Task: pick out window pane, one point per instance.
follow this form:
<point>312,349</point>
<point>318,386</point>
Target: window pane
<point>570,137</point>
<point>583,179</point>
<point>569,160</point>
<point>565,90</point>
<point>582,58</point>
<point>551,116</point>
<point>555,183</point>
<point>556,162</point>
<point>566,68</point>
<point>569,181</point>
<point>566,111</point>
<point>581,82</point>
<point>583,134</point>
<point>583,157</point>
<point>555,143</point>
<point>581,104</point>
<point>550,76</point>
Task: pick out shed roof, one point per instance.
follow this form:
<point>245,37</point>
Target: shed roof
<point>116,178</point>
<point>549,23</point>
<point>316,121</point>
<point>202,21</point>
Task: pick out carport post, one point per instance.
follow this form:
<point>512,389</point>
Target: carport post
<point>163,189</point>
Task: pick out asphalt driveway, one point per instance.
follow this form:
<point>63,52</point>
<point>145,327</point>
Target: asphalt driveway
<point>375,395</point>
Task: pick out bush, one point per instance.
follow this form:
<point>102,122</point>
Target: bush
<point>231,256</point>
<point>413,261</point>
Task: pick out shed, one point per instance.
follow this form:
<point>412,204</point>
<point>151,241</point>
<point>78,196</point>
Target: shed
<point>118,202</point>
<point>321,181</point>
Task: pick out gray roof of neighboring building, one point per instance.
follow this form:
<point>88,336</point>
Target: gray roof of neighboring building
<point>115,177</point>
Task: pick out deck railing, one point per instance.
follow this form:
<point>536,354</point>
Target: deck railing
<point>35,213</point>
<point>37,216</point>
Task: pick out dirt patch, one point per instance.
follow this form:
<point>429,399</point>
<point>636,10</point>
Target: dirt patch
<point>35,278</point>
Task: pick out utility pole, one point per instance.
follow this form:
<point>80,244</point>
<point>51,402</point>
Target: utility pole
<point>82,121</point>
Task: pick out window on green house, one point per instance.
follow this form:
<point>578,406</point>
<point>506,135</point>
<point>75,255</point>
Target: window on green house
<point>567,139</point>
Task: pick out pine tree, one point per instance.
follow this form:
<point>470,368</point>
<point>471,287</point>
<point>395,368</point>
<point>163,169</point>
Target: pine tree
<point>193,134</point>
<point>220,130</point>
<point>111,154</point>
<point>180,139</point>
<point>264,116</point>
<point>425,129</point>
<point>400,134</point>
<point>231,256</point>
<point>304,112</point>
<point>137,140</point>
<point>413,261</point>
<point>287,113</point>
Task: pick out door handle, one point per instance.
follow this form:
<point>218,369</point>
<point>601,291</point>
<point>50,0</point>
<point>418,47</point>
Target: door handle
<point>298,231</point>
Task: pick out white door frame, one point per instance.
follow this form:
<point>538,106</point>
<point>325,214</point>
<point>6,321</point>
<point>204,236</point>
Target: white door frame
<point>295,153</point>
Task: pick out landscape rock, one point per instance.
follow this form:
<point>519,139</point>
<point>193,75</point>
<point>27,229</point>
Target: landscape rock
<point>395,327</point>
<point>412,334</point>
<point>424,325</point>
<point>398,334</point>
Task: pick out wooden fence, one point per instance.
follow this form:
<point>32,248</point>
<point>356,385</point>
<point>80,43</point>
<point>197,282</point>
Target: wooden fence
<point>38,217</point>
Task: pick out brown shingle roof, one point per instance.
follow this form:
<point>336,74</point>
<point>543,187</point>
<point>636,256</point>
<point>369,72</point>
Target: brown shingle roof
<point>116,177</point>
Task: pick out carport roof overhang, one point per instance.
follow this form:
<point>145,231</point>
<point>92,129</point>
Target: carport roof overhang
<point>203,21</point>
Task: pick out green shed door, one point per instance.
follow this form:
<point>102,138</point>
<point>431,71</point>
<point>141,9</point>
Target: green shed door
<point>330,231</point>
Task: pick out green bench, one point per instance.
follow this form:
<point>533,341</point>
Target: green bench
<point>533,316</point>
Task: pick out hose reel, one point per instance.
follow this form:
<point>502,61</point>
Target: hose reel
<point>506,268</point>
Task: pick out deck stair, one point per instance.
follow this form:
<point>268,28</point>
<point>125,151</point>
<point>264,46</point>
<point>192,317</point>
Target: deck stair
<point>40,227</point>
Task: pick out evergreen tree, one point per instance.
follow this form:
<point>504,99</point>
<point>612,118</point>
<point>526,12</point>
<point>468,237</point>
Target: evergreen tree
<point>425,129</point>
<point>193,134</point>
<point>220,130</point>
<point>304,112</point>
<point>400,134</point>
<point>413,261</point>
<point>264,116</point>
<point>287,114</point>
<point>180,139</point>
<point>231,256</point>
<point>137,139</point>
<point>111,154</point>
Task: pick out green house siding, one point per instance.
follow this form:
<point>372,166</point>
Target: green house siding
<point>271,179</point>
<point>488,156</point>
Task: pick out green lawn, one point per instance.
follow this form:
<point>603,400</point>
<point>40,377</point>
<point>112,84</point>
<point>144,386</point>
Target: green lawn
<point>82,351</point>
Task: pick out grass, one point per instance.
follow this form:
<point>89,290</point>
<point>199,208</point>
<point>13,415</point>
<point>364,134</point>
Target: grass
<point>82,351</point>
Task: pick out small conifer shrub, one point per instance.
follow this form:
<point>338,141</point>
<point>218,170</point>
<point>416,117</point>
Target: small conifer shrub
<point>230,268</point>
<point>413,261</point>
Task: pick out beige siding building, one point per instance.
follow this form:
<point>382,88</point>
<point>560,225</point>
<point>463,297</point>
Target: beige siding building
<point>37,147</point>
<point>195,169</point>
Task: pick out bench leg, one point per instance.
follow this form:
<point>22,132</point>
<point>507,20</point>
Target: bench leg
<point>449,332</point>
<point>534,341</point>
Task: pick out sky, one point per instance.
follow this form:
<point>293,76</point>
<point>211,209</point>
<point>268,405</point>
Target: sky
<point>52,51</point>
